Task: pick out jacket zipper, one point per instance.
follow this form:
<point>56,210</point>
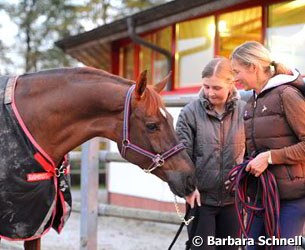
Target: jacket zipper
<point>221,159</point>
<point>252,125</point>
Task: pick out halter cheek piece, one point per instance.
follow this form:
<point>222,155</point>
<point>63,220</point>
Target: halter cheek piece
<point>158,160</point>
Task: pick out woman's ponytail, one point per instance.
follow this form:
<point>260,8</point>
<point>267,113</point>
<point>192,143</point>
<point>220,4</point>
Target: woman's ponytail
<point>280,68</point>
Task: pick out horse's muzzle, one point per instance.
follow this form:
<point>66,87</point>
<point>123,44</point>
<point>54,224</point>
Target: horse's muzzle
<point>181,184</point>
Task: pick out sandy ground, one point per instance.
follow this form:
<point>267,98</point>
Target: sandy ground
<point>113,234</point>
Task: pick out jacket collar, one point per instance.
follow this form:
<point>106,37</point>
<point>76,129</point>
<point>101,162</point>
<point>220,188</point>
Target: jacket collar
<point>233,97</point>
<point>281,79</point>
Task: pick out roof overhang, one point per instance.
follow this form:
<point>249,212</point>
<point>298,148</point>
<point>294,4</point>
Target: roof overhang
<point>93,47</point>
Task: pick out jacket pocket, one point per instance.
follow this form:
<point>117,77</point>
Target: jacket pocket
<point>291,189</point>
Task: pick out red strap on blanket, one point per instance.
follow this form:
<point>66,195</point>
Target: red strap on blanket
<point>49,168</point>
<point>44,163</point>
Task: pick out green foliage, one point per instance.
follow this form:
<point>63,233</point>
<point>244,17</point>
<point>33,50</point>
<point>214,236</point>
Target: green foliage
<point>133,6</point>
<point>4,58</point>
<point>42,22</point>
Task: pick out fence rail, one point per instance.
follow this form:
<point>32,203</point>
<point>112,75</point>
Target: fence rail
<point>103,156</point>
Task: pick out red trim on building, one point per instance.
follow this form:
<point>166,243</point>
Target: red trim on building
<point>152,60</point>
<point>265,11</point>
<point>190,90</point>
<point>143,203</point>
<point>136,57</point>
<point>174,40</point>
<point>217,37</point>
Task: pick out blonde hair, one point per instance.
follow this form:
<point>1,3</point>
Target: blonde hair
<point>220,67</point>
<point>253,52</point>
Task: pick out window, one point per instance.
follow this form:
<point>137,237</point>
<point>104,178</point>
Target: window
<point>194,49</point>
<point>163,39</point>
<point>153,61</point>
<point>237,27</point>
<point>286,33</point>
<point>127,62</point>
<point>146,55</point>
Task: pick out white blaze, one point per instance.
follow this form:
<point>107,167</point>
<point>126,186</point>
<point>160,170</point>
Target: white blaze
<point>163,112</point>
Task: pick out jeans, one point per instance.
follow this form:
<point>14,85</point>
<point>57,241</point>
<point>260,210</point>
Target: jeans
<point>292,218</point>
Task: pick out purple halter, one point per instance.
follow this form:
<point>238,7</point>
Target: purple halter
<point>157,159</point>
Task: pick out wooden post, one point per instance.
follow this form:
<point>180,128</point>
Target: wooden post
<point>89,195</point>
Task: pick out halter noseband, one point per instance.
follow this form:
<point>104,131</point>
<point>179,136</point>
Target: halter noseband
<point>158,160</point>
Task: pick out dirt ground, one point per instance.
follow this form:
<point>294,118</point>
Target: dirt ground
<point>113,234</point>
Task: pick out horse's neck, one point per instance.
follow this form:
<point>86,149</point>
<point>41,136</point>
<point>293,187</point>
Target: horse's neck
<point>63,115</point>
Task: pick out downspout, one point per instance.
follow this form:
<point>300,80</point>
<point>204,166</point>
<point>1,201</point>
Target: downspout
<point>136,39</point>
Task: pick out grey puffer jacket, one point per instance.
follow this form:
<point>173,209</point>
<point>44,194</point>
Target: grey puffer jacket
<point>214,143</point>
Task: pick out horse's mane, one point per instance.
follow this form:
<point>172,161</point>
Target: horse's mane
<point>106,74</point>
<point>83,71</point>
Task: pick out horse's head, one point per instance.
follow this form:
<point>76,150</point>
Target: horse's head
<point>149,139</point>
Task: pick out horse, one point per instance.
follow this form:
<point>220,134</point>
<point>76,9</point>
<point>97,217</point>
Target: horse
<point>58,110</point>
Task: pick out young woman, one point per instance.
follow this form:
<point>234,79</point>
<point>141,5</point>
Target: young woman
<point>275,126</point>
<point>212,129</point>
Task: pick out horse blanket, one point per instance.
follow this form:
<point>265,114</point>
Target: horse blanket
<point>34,194</point>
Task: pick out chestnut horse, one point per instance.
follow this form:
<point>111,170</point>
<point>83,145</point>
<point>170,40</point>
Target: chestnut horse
<point>62,108</point>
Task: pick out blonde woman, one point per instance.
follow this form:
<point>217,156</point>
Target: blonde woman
<point>275,126</point>
<point>212,129</point>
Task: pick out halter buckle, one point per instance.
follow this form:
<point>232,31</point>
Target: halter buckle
<point>158,160</point>
<point>125,142</point>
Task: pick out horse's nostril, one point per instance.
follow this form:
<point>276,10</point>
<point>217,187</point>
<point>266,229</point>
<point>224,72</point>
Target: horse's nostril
<point>190,184</point>
<point>190,180</point>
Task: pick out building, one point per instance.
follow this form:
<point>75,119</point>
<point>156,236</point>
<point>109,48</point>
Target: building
<point>183,36</point>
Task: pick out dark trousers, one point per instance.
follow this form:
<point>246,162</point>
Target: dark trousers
<point>292,218</point>
<point>219,222</point>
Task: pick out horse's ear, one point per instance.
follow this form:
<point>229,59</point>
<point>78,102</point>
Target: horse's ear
<point>161,85</point>
<point>141,84</point>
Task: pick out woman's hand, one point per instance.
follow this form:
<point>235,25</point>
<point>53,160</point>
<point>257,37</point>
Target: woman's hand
<point>193,197</point>
<point>258,165</point>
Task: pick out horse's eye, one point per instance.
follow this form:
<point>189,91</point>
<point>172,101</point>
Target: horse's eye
<point>152,126</point>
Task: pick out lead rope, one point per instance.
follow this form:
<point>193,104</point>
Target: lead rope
<point>180,215</point>
<point>267,189</point>
<point>183,221</point>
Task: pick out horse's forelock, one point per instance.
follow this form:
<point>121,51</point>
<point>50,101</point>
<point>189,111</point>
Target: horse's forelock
<point>152,101</point>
